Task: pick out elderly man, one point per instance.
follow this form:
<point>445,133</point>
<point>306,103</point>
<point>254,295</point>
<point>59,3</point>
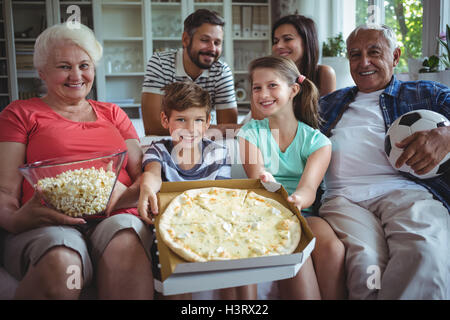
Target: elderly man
<point>395,228</point>
<point>199,62</point>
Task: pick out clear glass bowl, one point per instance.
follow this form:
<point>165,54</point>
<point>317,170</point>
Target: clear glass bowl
<point>77,186</point>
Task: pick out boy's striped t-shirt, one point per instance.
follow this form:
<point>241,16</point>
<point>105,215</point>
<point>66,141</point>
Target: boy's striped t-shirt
<point>215,162</point>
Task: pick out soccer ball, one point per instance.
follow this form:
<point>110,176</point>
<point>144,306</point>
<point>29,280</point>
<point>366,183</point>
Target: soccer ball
<point>408,124</point>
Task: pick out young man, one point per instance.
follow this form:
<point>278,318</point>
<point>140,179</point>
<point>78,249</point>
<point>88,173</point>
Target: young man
<point>198,61</point>
<point>186,114</point>
<point>395,227</point>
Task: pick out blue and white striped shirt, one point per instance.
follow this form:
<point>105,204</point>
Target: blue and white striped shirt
<point>215,162</point>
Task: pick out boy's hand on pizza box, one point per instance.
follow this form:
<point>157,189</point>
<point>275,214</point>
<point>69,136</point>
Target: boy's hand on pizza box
<point>297,200</point>
<point>148,202</point>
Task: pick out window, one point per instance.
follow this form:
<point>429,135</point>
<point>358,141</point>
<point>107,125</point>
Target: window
<point>404,16</point>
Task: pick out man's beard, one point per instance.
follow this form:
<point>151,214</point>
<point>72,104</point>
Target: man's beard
<point>196,58</point>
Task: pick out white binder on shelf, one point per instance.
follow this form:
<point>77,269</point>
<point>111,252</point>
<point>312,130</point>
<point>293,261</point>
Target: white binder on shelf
<point>264,23</point>
<point>246,21</point>
<point>237,22</point>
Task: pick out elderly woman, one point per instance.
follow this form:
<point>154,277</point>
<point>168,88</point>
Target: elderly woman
<point>43,245</point>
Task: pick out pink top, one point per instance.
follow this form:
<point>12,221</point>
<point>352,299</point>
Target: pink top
<point>49,135</point>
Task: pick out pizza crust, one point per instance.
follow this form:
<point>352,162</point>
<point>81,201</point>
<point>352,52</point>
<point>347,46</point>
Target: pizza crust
<point>220,223</point>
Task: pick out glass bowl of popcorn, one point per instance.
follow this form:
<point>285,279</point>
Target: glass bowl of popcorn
<point>78,186</point>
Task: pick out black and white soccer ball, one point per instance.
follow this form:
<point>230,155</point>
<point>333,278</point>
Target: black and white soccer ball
<point>407,124</point>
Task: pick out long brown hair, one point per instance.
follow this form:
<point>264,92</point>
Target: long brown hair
<point>306,102</point>
<point>306,28</point>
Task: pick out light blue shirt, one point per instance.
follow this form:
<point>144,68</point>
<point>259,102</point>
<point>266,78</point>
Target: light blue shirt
<point>286,167</point>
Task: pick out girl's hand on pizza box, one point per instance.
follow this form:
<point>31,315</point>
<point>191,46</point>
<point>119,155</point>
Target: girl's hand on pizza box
<point>297,200</point>
<point>266,177</point>
<point>147,203</point>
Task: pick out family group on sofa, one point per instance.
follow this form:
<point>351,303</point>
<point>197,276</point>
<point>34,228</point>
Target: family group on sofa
<point>324,146</point>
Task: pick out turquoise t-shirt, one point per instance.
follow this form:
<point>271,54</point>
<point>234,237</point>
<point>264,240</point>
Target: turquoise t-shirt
<point>286,167</point>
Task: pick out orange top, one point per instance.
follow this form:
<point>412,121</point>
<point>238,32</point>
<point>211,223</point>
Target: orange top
<point>49,135</point>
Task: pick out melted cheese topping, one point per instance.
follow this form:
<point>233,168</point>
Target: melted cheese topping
<point>219,223</point>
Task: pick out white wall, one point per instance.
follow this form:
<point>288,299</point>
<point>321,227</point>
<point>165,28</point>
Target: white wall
<point>331,16</point>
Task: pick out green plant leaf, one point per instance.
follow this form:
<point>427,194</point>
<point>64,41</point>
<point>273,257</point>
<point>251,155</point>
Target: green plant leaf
<point>334,47</point>
<point>447,35</point>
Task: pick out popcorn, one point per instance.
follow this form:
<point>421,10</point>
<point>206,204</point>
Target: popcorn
<point>79,192</point>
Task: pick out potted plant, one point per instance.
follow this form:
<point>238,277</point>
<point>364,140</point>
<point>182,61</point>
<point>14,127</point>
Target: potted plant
<point>430,65</point>
<point>430,69</point>
<point>334,47</point>
<point>334,55</point>
<point>445,58</point>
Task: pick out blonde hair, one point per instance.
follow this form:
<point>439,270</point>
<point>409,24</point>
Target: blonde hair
<point>80,35</point>
<point>306,102</point>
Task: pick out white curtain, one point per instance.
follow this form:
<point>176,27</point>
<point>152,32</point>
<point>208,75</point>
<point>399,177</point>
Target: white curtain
<point>331,16</point>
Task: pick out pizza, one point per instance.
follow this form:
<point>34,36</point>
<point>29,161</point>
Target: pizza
<point>221,223</point>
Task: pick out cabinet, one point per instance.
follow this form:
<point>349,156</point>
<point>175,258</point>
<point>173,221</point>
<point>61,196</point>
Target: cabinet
<point>5,70</point>
<point>29,19</point>
<point>250,32</point>
<point>25,20</point>
<point>130,32</point>
<point>122,28</point>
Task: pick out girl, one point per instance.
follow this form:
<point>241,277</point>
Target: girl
<point>290,150</point>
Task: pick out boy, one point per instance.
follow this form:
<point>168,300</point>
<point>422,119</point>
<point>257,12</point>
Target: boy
<point>186,109</point>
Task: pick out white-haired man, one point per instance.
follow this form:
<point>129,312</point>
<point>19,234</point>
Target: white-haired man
<point>395,228</point>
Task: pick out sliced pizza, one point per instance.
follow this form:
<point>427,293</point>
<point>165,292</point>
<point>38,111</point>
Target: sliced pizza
<point>219,223</point>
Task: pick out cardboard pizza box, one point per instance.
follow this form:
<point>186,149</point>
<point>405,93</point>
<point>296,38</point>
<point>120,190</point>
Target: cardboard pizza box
<point>174,275</point>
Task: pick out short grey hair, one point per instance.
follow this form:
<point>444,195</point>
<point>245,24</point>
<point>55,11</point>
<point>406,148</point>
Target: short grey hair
<point>386,31</point>
<point>78,34</point>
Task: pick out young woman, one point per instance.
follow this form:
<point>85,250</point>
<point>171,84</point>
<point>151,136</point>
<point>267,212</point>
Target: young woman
<point>295,37</point>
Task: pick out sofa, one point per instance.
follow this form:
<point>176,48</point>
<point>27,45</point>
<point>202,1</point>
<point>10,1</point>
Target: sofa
<point>8,284</point>
<point>266,290</point>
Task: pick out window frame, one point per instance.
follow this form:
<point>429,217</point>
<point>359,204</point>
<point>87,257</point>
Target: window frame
<point>431,27</point>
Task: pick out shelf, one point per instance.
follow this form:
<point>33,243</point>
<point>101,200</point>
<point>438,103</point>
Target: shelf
<point>125,74</point>
<point>27,74</point>
<point>252,39</point>
<point>122,4</point>
<point>130,105</point>
<point>164,5</point>
<point>123,39</point>
<point>78,3</point>
<point>29,3</point>
<point>252,4</point>
<point>24,39</point>
<point>209,4</point>
<point>167,38</point>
